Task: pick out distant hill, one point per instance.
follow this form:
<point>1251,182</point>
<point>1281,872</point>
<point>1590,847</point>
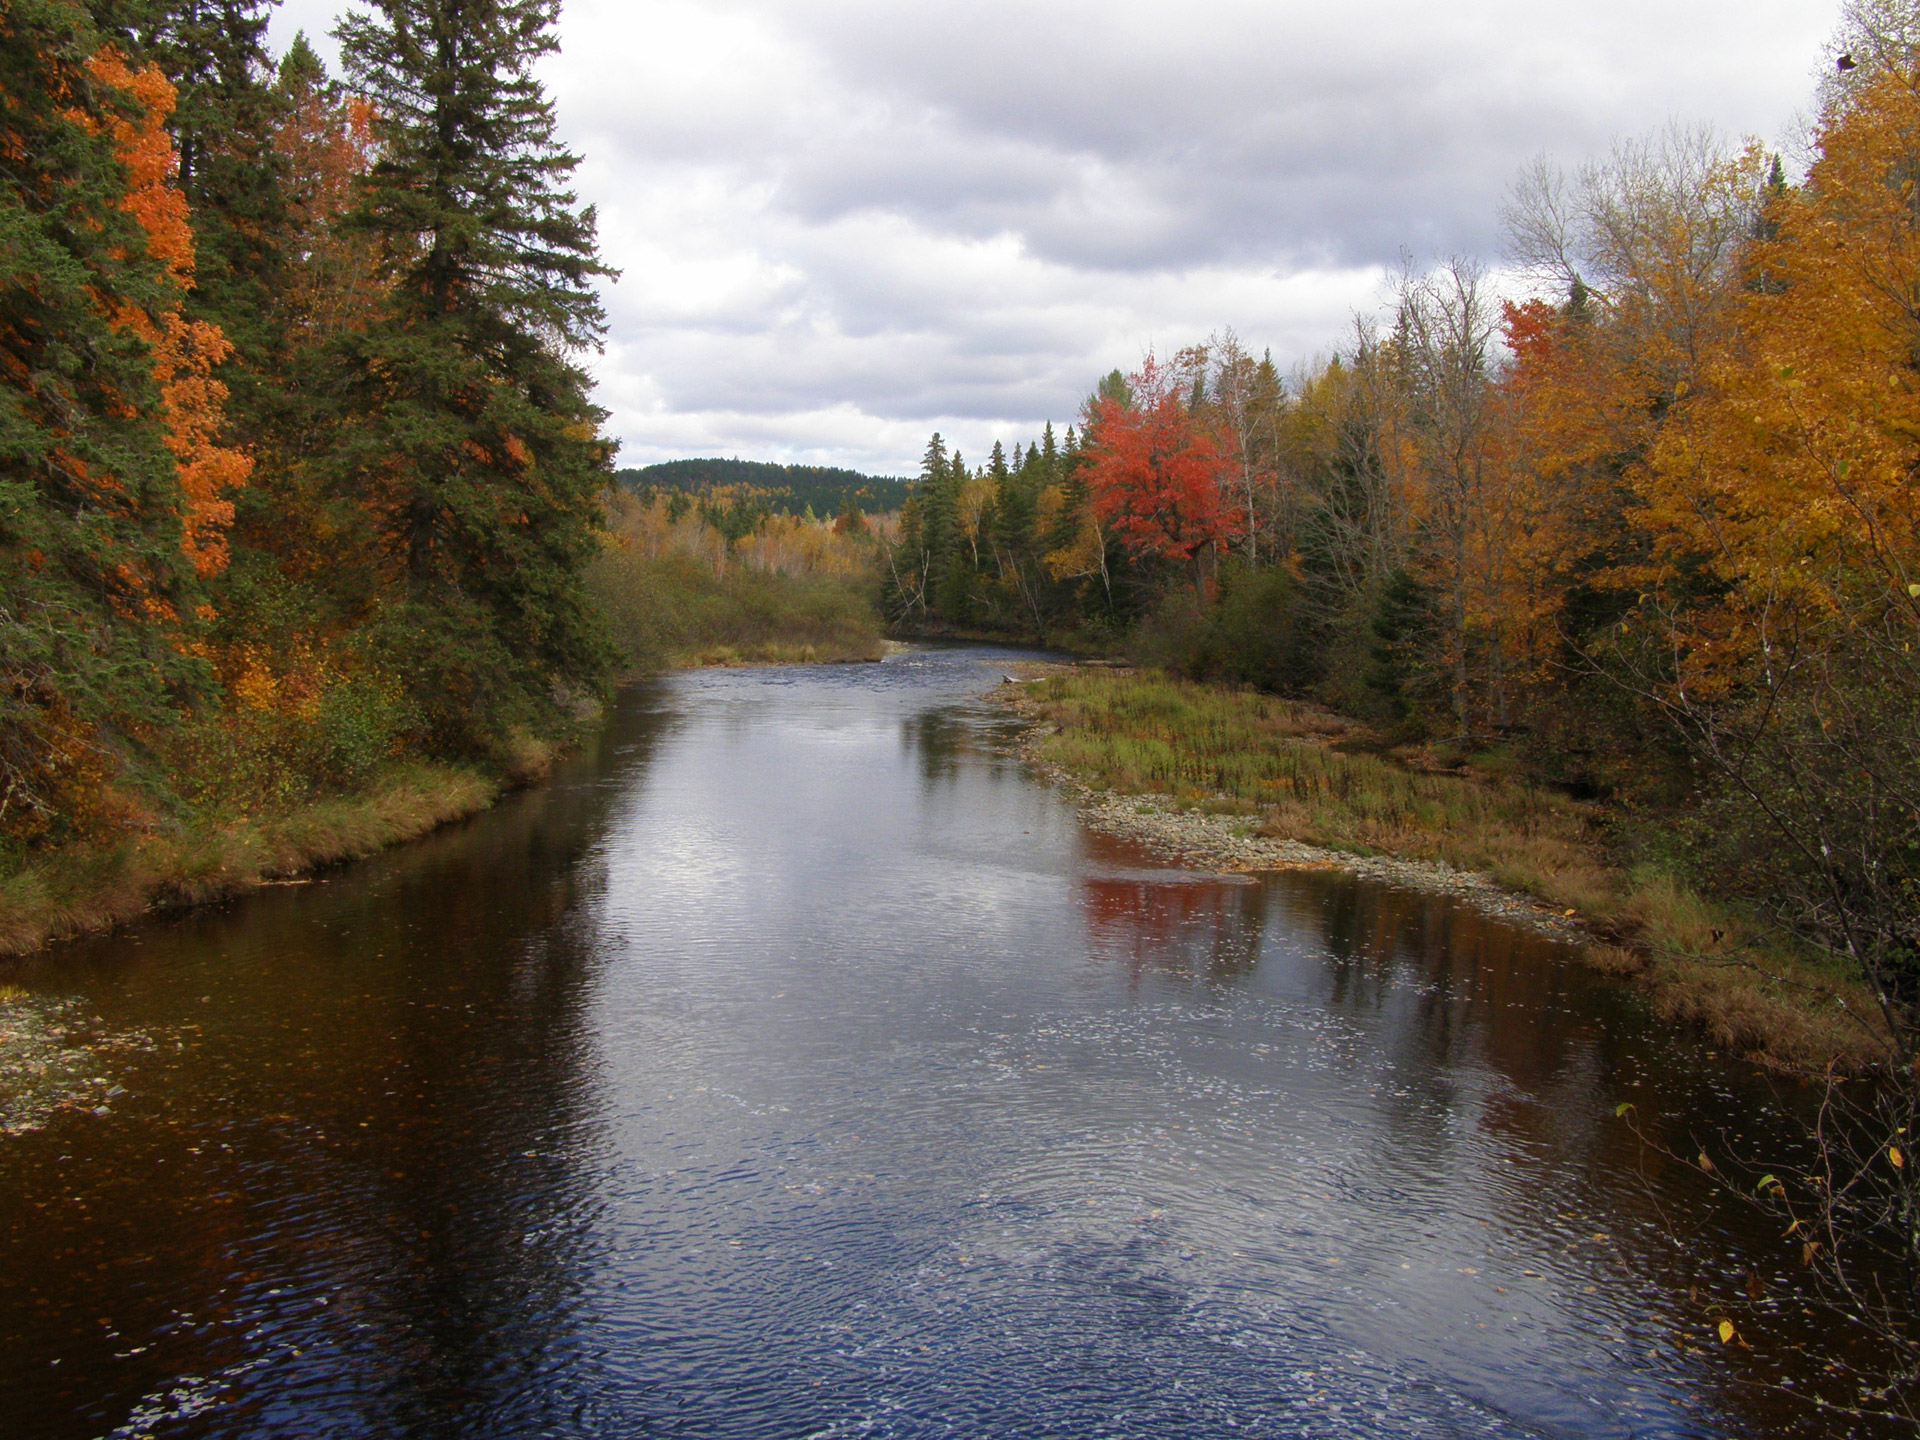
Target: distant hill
<point>788,488</point>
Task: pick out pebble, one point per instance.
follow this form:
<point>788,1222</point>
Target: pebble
<point>1217,842</point>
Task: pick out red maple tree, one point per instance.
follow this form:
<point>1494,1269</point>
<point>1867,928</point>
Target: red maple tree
<point>1155,471</point>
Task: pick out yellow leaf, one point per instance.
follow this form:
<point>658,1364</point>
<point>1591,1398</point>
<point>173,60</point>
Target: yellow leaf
<point>1705,1164</point>
<point>1893,1154</point>
<point>1726,1332</point>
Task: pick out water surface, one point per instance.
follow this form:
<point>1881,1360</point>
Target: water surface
<point>793,1065</point>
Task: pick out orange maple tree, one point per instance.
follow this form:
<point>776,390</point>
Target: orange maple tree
<point>185,352</point>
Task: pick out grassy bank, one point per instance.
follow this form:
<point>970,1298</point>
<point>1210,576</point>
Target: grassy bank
<point>82,890</point>
<point>1295,772</point>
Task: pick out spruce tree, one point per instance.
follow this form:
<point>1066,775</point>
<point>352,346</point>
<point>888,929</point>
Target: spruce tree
<point>471,440</point>
<point>95,590</point>
<point>225,110</point>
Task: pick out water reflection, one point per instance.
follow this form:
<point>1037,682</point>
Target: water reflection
<point>1183,927</point>
<point>368,1094</point>
<point>794,1065</point>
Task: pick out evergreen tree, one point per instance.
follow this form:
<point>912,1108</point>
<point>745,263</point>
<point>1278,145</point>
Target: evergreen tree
<point>473,444</point>
<point>95,584</point>
<point>225,111</point>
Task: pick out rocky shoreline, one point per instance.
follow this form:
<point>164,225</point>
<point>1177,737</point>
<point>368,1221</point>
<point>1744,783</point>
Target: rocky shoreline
<point>1227,842</point>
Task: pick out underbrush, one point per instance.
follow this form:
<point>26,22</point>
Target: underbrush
<point>1301,773</point>
<point>673,609</point>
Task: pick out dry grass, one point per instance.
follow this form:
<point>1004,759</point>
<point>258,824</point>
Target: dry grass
<point>792,591</point>
<point>75,893</point>
<point>1304,774</point>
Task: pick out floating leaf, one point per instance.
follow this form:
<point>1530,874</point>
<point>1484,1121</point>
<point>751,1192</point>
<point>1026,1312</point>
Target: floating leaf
<point>1726,1332</point>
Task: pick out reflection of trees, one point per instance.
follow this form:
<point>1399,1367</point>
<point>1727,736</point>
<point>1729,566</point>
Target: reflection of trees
<point>387,1104</point>
<point>1483,1020</point>
<point>937,739</point>
<point>941,738</point>
<point>1183,927</point>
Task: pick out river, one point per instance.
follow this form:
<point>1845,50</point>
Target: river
<point>794,1064</point>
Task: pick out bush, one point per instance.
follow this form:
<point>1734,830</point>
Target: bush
<point>1253,632</point>
<point>672,609</point>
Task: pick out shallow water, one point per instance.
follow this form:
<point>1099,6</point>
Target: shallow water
<point>793,1064</point>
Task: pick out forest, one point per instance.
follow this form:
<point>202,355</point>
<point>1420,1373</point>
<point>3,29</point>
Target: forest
<point>825,490</point>
<point>302,473</point>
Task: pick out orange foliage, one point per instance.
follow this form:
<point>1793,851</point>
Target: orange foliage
<point>185,352</point>
<point>1156,471</point>
<point>1795,475</point>
<point>328,144</point>
<point>1561,426</point>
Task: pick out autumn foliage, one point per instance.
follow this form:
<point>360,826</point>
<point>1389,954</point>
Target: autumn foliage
<point>185,352</point>
<point>1156,470</point>
<point>251,548</point>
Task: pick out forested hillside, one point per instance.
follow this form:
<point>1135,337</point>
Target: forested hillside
<point>780,489</point>
<point>299,472</point>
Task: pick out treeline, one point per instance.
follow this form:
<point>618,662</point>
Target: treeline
<point>825,490</point>
<point>1654,533</point>
<point>299,469</point>
<point>715,583</point>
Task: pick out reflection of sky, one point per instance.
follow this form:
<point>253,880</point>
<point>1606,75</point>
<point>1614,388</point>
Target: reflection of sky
<point>795,1065</point>
<point>959,1089</point>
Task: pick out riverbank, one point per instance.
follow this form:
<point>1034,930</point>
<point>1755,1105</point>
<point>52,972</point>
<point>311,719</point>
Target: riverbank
<point>1242,781</point>
<point>86,890</point>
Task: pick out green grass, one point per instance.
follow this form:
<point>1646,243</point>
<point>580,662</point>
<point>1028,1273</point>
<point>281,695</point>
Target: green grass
<point>1301,773</point>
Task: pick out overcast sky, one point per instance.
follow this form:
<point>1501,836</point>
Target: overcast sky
<point>845,224</point>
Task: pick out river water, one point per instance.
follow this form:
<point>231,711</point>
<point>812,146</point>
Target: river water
<point>795,1065</point>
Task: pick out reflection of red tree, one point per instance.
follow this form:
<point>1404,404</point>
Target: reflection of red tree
<point>1183,928</point>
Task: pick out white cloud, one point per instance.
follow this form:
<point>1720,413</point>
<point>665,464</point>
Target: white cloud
<point>844,224</point>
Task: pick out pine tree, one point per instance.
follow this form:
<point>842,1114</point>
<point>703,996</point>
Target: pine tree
<point>473,444</point>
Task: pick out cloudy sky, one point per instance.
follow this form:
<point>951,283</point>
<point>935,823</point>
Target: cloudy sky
<point>845,224</point>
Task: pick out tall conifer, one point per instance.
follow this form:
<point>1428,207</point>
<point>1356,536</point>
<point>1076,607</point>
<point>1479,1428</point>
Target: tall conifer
<point>95,584</point>
<point>473,443</point>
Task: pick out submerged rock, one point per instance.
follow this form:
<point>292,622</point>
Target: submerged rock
<point>51,1061</point>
